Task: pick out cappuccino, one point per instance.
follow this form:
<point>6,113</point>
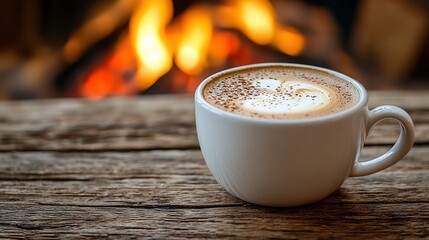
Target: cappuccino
<point>280,92</point>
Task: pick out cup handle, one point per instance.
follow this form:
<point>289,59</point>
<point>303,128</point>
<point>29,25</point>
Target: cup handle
<point>398,151</point>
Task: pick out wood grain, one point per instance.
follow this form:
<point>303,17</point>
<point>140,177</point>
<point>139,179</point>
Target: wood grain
<point>349,221</point>
<point>116,124</point>
<point>163,194</point>
<point>417,100</point>
<point>131,168</point>
<point>176,178</point>
<point>155,122</point>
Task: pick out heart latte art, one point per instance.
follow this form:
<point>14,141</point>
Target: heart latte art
<point>280,93</point>
<point>292,96</point>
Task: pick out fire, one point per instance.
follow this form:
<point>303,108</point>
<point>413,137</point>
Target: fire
<point>203,36</point>
<point>224,44</point>
<point>289,40</point>
<point>255,18</point>
<point>108,78</point>
<point>147,29</point>
<point>96,28</point>
<point>193,44</point>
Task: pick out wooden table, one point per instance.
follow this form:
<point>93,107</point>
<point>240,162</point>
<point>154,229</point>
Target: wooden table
<point>131,167</point>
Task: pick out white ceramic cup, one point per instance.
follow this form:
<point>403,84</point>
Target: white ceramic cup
<point>291,162</point>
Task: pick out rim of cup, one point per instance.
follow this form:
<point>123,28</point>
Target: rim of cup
<point>363,96</point>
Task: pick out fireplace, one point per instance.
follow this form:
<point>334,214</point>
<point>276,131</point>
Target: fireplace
<point>132,47</point>
<point>163,52</point>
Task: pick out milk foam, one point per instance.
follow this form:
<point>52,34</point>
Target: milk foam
<point>296,95</point>
<point>281,93</point>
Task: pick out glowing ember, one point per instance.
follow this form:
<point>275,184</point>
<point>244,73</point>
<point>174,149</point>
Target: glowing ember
<point>108,79</point>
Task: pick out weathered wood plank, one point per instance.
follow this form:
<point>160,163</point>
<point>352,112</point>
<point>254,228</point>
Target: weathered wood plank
<point>197,192</point>
<point>409,100</point>
<point>138,123</point>
<point>121,165</point>
<point>349,221</point>
<point>170,193</point>
<point>119,123</point>
<point>386,133</point>
<point>174,178</point>
<point>139,137</point>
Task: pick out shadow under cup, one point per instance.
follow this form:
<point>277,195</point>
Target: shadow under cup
<point>291,162</point>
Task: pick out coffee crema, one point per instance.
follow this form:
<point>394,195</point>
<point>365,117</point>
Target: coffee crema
<point>280,92</point>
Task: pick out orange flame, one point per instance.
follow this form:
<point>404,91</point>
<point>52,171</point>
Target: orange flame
<point>289,41</point>
<point>191,41</point>
<point>106,79</point>
<point>193,44</point>
<point>255,18</point>
<point>96,28</point>
<point>148,26</point>
<point>224,44</point>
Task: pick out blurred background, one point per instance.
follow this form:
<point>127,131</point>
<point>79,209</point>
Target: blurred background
<point>100,48</point>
